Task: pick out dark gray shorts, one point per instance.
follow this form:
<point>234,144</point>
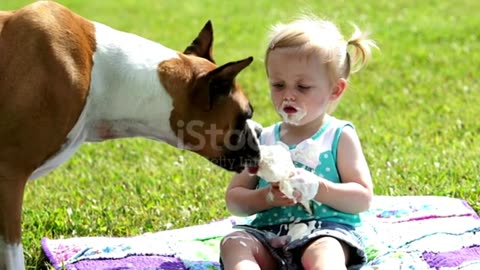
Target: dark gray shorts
<point>288,256</point>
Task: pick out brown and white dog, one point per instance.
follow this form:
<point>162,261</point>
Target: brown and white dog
<point>65,80</point>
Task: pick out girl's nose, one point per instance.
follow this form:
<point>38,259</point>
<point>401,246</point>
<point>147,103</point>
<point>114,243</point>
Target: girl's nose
<point>289,95</point>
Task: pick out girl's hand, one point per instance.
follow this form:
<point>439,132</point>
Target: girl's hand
<point>305,184</point>
<point>276,198</point>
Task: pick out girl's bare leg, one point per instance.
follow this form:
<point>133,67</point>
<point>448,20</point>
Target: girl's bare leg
<point>325,253</point>
<point>240,250</point>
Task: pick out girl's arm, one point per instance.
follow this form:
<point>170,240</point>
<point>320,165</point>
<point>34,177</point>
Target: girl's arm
<point>242,198</point>
<point>354,194</point>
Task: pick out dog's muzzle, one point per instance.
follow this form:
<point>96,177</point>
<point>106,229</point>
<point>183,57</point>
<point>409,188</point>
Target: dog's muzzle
<point>245,153</point>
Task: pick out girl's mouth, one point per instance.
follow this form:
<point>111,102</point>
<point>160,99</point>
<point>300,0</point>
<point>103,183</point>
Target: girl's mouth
<point>291,114</point>
<point>289,109</point>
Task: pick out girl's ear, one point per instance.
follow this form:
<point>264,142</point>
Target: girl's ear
<point>338,89</point>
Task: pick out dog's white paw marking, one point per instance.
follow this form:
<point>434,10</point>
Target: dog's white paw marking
<point>11,256</point>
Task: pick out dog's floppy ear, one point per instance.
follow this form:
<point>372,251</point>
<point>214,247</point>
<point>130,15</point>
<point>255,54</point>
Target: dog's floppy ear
<point>221,81</point>
<point>202,45</point>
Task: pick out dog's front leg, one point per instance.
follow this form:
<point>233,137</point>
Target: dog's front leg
<point>11,198</point>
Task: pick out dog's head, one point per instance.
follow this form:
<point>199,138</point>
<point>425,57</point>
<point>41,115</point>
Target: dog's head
<point>210,109</point>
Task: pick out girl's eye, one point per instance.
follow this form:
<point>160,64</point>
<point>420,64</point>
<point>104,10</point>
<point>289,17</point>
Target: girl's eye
<point>303,87</point>
<point>277,85</point>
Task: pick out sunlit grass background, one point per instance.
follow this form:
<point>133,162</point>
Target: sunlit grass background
<point>416,108</point>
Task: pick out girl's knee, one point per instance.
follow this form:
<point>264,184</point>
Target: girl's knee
<point>237,239</point>
<point>325,242</point>
<point>325,253</point>
<point>241,248</point>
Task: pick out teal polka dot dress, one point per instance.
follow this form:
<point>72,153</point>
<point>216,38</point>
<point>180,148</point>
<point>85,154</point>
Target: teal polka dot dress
<point>316,154</point>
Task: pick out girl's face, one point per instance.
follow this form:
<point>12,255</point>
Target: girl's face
<point>300,86</point>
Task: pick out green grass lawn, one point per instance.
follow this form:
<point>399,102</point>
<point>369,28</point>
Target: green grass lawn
<point>415,106</point>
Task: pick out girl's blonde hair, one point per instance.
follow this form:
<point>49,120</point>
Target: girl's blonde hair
<point>312,36</point>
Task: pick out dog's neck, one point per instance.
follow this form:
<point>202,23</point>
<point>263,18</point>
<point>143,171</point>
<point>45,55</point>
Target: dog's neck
<point>125,90</point>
